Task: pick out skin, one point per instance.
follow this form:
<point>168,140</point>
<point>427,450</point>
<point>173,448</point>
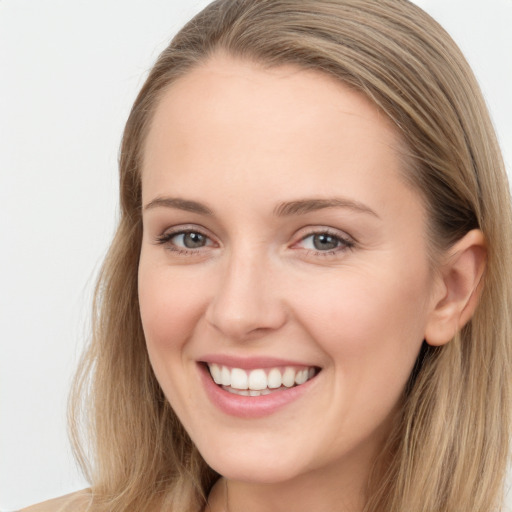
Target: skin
<point>242,140</point>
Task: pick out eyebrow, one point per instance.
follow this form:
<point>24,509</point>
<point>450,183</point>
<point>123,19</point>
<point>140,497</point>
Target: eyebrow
<point>303,206</point>
<point>179,204</point>
<point>289,208</point>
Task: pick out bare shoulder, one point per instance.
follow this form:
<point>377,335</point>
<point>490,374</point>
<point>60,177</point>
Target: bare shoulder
<point>74,502</point>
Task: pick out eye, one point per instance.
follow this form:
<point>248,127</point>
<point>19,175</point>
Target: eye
<point>185,240</point>
<point>321,242</point>
<point>325,242</point>
<point>189,240</point>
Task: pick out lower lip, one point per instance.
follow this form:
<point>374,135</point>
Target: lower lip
<point>250,406</point>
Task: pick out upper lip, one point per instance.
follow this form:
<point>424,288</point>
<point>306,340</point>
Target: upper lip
<point>250,363</point>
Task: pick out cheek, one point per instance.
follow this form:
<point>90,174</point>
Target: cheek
<point>360,305</point>
<point>370,325</point>
<point>170,308</point>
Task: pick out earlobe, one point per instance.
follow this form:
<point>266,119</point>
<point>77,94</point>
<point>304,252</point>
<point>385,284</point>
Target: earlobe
<point>460,281</point>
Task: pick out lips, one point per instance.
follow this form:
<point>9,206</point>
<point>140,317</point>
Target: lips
<point>257,387</point>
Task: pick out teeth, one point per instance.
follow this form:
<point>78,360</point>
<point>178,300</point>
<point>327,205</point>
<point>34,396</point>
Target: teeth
<point>242,392</point>
<point>225,376</point>
<point>289,377</point>
<point>216,373</point>
<point>259,381</point>
<point>301,377</point>
<point>274,379</point>
<point>239,379</point>
<point>247,392</point>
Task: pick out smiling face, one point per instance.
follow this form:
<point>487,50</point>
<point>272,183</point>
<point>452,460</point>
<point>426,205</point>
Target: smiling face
<point>282,251</point>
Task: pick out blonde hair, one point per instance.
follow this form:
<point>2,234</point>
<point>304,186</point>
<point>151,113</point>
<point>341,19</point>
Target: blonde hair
<point>449,449</point>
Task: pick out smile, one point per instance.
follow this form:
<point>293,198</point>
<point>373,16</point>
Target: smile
<point>259,381</point>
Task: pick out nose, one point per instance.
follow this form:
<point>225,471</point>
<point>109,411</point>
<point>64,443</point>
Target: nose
<point>248,301</point>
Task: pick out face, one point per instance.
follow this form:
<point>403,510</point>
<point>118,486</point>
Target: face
<point>284,281</point>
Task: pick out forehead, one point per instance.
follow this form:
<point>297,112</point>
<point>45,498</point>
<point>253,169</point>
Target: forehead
<point>233,93</point>
<point>234,123</point>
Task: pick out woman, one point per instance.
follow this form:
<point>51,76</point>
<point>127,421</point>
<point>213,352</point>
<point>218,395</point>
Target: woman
<point>306,304</point>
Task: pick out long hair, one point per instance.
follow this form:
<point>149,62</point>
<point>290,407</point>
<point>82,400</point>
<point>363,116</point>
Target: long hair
<point>449,448</point>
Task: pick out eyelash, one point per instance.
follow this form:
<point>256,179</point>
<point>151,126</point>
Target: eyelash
<point>166,238</point>
<point>344,243</point>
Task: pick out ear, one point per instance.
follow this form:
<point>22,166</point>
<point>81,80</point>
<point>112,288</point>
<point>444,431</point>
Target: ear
<point>456,296</point>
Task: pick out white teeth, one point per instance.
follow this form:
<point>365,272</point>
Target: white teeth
<point>216,374</point>
<point>225,376</point>
<point>239,379</point>
<point>243,392</point>
<point>258,381</point>
<point>301,377</point>
<point>274,378</point>
<point>289,377</point>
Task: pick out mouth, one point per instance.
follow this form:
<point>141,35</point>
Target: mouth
<point>260,381</point>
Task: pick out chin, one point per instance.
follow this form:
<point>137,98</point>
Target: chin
<point>255,472</point>
<point>262,463</point>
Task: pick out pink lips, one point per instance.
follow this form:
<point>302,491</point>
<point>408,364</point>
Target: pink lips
<point>250,406</point>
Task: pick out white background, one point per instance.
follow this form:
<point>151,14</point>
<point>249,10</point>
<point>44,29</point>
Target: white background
<point>69,71</point>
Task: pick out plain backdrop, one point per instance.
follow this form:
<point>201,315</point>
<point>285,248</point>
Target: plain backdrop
<point>69,71</point>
